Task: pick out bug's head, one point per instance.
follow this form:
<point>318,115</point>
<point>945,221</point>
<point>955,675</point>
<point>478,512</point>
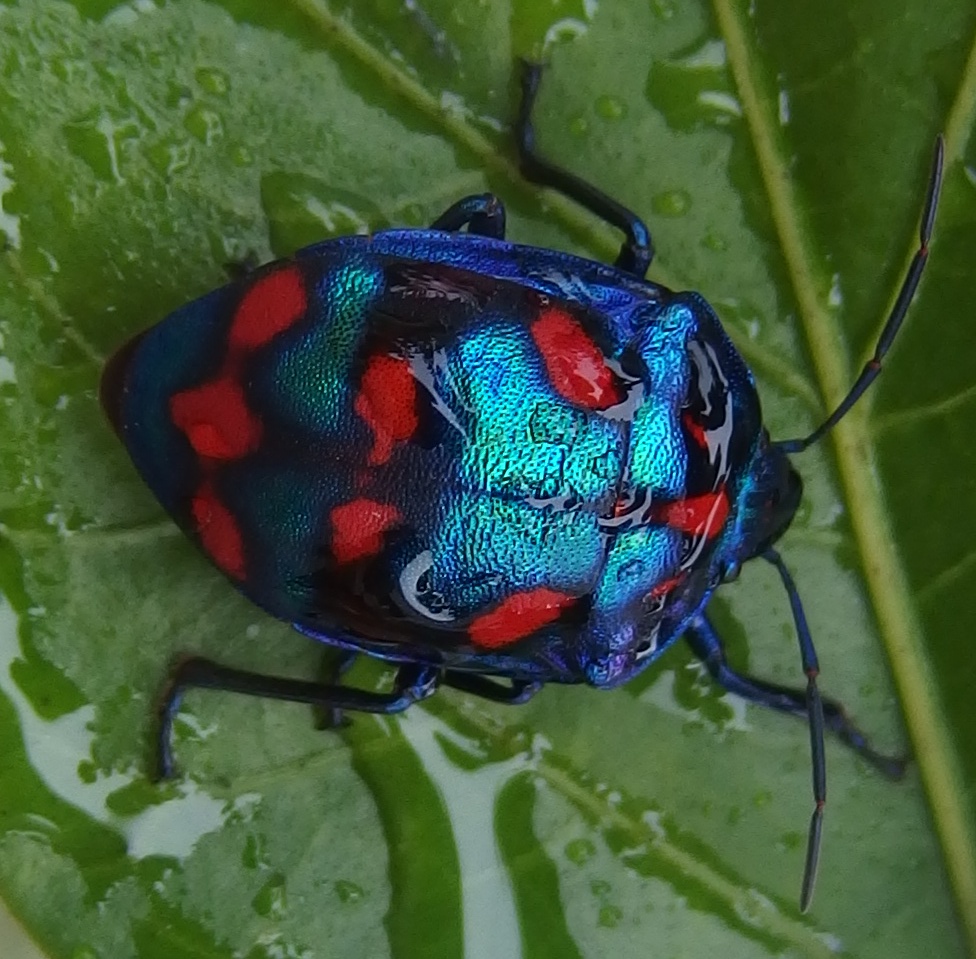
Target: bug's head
<point>771,503</point>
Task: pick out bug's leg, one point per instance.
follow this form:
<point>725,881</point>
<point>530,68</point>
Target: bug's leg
<point>481,213</point>
<point>513,693</point>
<point>637,250</point>
<point>335,664</point>
<point>895,318</point>
<point>412,683</point>
<point>705,643</point>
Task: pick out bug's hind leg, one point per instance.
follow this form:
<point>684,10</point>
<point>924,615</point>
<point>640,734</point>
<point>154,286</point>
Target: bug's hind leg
<point>637,251</point>
<point>481,213</point>
<point>705,642</point>
<point>411,684</point>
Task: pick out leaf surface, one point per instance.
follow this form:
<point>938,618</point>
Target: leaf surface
<point>779,154</point>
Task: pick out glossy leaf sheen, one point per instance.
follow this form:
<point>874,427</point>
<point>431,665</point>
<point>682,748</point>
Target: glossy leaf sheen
<point>779,153</point>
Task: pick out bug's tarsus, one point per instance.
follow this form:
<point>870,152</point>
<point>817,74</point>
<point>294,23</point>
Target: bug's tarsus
<point>413,682</point>
<point>637,250</point>
<point>895,318</point>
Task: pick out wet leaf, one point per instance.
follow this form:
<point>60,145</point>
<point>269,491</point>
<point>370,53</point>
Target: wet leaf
<point>779,152</point>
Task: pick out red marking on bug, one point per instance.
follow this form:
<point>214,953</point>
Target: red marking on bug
<point>387,403</point>
<point>576,367</point>
<point>695,429</point>
<point>518,616</point>
<point>215,419</point>
<point>273,303</point>
<point>703,515</point>
<point>358,527</point>
<point>665,587</point>
<point>219,533</point>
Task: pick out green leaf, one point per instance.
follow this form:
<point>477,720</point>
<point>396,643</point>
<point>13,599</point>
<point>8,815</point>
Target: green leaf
<point>779,152</point>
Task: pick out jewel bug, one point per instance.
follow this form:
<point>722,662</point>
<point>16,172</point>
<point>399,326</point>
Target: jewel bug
<point>492,465</point>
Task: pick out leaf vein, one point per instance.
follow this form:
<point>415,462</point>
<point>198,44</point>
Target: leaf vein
<point>948,579</point>
<point>919,414</point>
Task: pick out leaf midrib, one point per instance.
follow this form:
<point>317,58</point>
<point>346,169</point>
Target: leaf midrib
<point>882,568</point>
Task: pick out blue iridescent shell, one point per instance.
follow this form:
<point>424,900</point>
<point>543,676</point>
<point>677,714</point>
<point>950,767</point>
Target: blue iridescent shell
<point>445,448</point>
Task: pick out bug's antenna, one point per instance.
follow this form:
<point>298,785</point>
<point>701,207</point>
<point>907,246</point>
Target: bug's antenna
<point>815,716</point>
<point>905,295</point>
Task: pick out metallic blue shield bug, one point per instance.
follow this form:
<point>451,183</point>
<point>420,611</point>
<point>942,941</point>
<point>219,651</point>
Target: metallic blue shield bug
<point>495,466</point>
